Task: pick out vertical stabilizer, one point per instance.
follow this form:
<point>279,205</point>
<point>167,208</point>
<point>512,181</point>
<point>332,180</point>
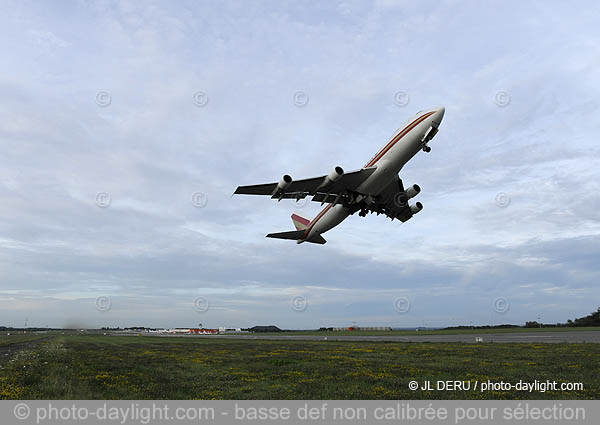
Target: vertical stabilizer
<point>301,223</point>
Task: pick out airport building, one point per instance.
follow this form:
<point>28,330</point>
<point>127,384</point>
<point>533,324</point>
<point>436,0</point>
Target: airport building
<point>192,331</point>
<point>223,329</point>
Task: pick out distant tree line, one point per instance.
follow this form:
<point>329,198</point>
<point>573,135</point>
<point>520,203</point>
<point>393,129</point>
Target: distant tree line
<point>463,327</point>
<point>592,319</point>
<point>36,329</point>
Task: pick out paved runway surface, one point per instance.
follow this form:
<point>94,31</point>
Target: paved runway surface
<point>542,337</point>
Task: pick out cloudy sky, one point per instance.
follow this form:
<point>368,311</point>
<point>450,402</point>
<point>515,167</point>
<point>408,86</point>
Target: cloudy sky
<point>126,126</point>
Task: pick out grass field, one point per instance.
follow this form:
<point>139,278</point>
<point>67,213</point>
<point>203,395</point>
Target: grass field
<point>110,367</point>
<point>19,338</point>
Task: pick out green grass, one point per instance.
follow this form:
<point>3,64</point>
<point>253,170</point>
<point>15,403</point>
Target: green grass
<point>20,338</point>
<point>109,367</point>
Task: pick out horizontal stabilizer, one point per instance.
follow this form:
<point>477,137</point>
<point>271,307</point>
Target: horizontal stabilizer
<point>294,235</point>
<point>317,239</point>
<point>297,235</point>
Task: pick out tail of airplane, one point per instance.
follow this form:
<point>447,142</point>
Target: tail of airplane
<point>300,222</point>
<point>301,225</point>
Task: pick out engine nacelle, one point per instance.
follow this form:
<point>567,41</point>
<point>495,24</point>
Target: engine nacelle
<point>416,208</point>
<point>413,191</point>
<point>283,184</point>
<point>334,176</point>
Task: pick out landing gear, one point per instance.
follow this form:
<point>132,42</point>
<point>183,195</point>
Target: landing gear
<point>426,148</point>
<point>362,213</point>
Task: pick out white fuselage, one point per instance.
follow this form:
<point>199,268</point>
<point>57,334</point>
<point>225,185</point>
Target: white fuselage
<point>403,145</point>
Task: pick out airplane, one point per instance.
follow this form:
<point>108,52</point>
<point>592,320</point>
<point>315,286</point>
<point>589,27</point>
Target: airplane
<point>375,188</point>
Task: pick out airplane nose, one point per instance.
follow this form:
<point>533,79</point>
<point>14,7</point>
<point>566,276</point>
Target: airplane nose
<point>439,114</point>
<point>441,110</point>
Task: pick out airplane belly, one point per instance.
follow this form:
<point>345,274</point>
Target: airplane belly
<point>392,162</point>
<point>332,218</point>
<point>378,180</point>
<point>403,152</point>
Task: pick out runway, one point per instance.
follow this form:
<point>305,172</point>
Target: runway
<point>527,337</point>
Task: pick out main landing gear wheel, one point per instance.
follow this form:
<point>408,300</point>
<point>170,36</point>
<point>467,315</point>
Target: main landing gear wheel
<point>426,148</point>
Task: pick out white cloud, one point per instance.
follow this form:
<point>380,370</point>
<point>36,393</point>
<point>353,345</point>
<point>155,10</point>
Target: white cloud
<point>151,148</point>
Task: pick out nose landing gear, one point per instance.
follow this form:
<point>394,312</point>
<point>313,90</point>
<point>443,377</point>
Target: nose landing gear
<point>426,148</point>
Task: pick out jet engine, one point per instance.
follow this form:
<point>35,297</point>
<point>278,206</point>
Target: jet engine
<point>283,184</point>
<point>416,208</point>
<point>336,174</point>
<point>285,181</point>
<point>329,180</point>
<point>413,191</point>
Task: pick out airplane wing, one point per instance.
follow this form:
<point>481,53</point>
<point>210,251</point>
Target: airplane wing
<point>323,188</point>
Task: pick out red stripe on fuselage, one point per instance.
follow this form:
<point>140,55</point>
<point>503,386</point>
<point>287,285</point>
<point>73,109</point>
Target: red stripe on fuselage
<point>372,162</point>
<point>400,135</point>
<point>317,218</point>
